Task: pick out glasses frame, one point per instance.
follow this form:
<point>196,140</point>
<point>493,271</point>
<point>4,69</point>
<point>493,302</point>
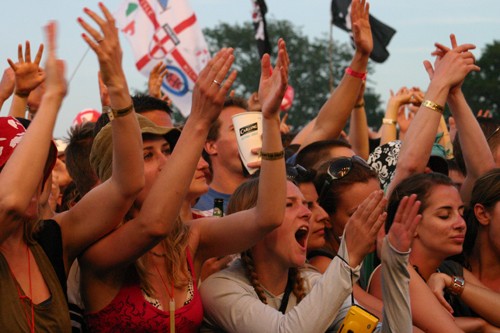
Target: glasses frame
<point>338,169</point>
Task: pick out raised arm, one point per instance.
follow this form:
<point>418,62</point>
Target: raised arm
<point>358,127</point>
<point>162,204</point>
<point>29,75</point>
<point>237,232</point>
<point>334,113</point>
<point>416,148</point>
<point>477,155</point>
<point>21,176</point>
<point>98,212</point>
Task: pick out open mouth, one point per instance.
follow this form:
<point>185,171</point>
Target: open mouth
<point>301,236</point>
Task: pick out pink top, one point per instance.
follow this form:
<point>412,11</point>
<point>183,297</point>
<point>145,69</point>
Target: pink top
<point>130,312</point>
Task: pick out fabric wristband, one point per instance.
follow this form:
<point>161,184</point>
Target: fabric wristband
<point>359,75</point>
<point>272,156</point>
<point>115,113</point>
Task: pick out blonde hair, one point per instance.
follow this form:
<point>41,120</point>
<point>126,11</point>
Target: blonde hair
<point>175,245</point>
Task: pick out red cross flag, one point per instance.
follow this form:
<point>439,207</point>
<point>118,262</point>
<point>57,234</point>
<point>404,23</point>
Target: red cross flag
<point>166,31</point>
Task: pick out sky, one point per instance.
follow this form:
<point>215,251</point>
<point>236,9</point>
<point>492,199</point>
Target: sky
<point>418,24</point>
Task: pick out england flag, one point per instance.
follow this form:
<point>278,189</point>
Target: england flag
<point>166,31</point>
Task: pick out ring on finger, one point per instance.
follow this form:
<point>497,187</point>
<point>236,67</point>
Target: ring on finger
<point>217,83</point>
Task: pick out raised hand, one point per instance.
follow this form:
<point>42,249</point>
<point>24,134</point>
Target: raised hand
<point>212,87</point>
<point>55,82</point>
<point>405,223</point>
<point>273,82</point>
<point>156,77</point>
<point>452,65</point>
<point>362,228</point>
<point>106,45</point>
<point>28,74</point>
<point>361,30</point>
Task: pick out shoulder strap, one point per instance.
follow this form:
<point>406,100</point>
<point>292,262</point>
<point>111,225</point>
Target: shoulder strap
<point>286,295</point>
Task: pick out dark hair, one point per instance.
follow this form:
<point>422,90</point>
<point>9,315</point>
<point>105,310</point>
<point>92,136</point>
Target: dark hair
<point>332,195</point>
<point>77,157</point>
<point>486,191</point>
<point>145,103</point>
<point>313,154</point>
<point>420,184</point>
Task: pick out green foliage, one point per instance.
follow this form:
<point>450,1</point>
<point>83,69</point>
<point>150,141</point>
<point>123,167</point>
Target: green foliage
<point>482,89</point>
<point>309,70</point>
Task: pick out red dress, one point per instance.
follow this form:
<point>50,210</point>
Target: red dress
<point>130,312</point>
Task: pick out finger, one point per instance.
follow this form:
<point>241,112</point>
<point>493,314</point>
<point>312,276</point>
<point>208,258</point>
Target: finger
<point>96,18</point>
<point>20,53</point>
<point>50,31</point>
<point>429,69</point>
<point>453,41</point>
<point>107,14</point>
<point>27,52</point>
<point>378,223</point>
<point>398,217</point>
<point>226,86</point>
<point>441,47</point>
<point>12,64</point>
<point>265,66</point>
<point>39,53</point>
<point>89,29</point>
<point>285,117</point>
<point>442,300</point>
<point>254,165</point>
<point>464,47</point>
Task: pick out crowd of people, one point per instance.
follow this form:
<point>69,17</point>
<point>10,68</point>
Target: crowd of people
<point>114,230</point>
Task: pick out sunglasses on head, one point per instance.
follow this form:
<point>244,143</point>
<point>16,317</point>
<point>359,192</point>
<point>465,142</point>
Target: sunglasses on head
<point>493,134</point>
<point>338,169</point>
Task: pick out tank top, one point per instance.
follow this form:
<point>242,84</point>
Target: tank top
<point>130,312</point>
<point>51,315</point>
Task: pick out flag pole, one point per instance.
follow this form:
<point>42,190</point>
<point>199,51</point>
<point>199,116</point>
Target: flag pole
<point>330,55</point>
<point>78,65</point>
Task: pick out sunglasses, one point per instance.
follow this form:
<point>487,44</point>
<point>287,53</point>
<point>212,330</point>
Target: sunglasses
<point>338,169</point>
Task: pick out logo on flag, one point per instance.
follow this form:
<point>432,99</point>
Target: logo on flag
<point>166,31</point>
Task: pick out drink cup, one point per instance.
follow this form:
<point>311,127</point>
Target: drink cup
<point>248,129</point>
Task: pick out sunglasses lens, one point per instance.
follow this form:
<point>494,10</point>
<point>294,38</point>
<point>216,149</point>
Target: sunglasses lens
<point>339,168</point>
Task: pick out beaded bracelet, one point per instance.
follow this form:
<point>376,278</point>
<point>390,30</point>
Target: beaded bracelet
<point>272,156</point>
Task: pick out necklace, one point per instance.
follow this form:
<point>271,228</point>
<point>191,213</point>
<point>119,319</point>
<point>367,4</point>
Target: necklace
<point>31,322</point>
<point>171,296</point>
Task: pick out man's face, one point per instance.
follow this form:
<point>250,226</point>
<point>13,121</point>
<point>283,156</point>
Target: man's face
<point>225,148</point>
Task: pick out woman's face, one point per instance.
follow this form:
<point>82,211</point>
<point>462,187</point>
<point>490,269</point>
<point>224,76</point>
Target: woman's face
<point>350,199</point>
<point>288,242</point>
<point>319,218</point>
<point>156,151</point>
<point>442,228</point>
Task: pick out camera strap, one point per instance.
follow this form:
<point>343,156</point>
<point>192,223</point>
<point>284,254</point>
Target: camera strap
<point>286,295</point>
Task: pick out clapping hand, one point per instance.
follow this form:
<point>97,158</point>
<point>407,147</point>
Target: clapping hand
<point>404,224</point>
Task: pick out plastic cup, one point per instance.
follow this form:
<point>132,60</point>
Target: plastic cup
<point>248,129</point>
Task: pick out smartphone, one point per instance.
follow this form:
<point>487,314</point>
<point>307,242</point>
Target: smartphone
<point>358,320</point>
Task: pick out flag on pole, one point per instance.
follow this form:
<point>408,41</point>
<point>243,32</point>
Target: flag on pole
<point>260,26</point>
<point>381,32</point>
<point>166,31</point>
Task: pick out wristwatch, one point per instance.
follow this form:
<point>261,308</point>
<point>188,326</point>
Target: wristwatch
<point>457,285</point>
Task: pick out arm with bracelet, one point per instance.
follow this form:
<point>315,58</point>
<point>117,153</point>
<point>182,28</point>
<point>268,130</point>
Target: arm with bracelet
<point>481,299</point>
<point>334,114</point>
<point>450,69</point>
<point>89,219</point>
